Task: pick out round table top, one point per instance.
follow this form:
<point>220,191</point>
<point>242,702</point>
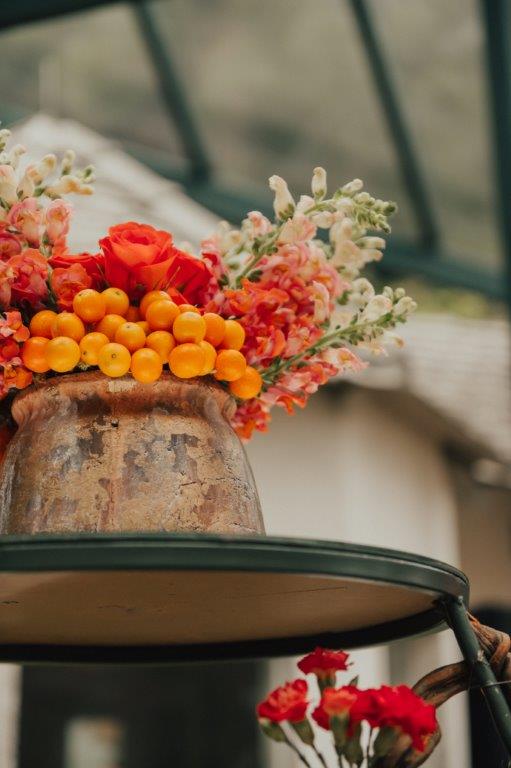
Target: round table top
<point>158,598</point>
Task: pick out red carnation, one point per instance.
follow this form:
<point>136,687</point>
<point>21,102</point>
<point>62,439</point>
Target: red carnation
<point>324,663</point>
<point>289,702</point>
<point>335,702</point>
<point>409,713</point>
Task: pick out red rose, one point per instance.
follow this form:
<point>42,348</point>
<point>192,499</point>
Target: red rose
<point>324,663</point>
<point>289,702</point>
<point>66,283</point>
<point>92,263</point>
<point>335,702</point>
<point>140,258</point>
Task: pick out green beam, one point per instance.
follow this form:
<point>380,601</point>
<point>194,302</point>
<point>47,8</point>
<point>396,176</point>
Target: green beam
<point>496,15</point>
<point>400,133</point>
<point>16,12</point>
<point>173,93</point>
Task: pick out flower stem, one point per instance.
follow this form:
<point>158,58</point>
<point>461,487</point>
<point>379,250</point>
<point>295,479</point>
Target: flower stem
<point>319,756</point>
<point>272,373</point>
<point>299,754</point>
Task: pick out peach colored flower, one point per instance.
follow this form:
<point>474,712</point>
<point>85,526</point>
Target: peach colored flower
<point>27,217</point>
<point>10,244</point>
<point>297,230</point>
<point>30,273</point>
<point>57,219</point>
<point>67,282</point>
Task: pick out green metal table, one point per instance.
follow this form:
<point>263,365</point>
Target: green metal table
<point>166,598</point>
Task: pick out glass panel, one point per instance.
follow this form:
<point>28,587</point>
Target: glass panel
<point>281,86</point>
<point>92,67</point>
<point>436,50</point>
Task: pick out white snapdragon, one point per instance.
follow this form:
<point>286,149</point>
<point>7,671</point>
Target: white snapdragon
<point>283,204</point>
<point>227,239</point>
<point>41,170</point>
<point>352,187</point>
<point>69,184</point>
<point>67,162</point>
<point>405,306</point>
<point>13,156</point>
<point>8,184</point>
<point>256,224</point>
<point>299,228</point>
<point>378,306</point>
<point>322,219</point>
<point>362,292</point>
<point>318,184</point>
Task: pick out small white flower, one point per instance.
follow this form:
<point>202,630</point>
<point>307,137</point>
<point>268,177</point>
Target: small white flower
<point>341,231</point>
<point>352,187</point>
<point>378,306</point>
<point>377,243</point>
<point>296,230</point>
<point>362,292</point>
<point>304,203</point>
<point>68,161</point>
<point>8,184</point>
<point>256,224</point>
<point>318,184</point>
<point>68,184</point>
<point>405,306</point>
<point>323,219</point>
<point>283,204</point>
<point>15,154</point>
<point>42,169</point>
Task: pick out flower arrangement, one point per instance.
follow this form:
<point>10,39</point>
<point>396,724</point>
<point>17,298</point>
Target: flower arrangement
<point>271,310</point>
<point>376,728</point>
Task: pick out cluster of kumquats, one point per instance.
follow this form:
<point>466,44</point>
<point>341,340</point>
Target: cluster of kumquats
<point>104,330</point>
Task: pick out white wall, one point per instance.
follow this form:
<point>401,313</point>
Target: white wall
<point>346,469</point>
<point>10,691</point>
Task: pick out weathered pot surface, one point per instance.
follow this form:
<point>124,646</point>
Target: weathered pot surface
<point>94,454</point>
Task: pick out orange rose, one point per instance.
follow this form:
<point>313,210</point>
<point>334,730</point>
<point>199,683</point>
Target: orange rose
<point>140,258</point>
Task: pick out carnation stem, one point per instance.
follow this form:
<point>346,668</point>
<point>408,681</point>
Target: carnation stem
<point>299,754</point>
<point>320,756</point>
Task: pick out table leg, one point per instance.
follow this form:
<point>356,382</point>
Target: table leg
<point>482,673</point>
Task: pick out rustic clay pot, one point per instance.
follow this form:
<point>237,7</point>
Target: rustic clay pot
<point>94,454</point>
